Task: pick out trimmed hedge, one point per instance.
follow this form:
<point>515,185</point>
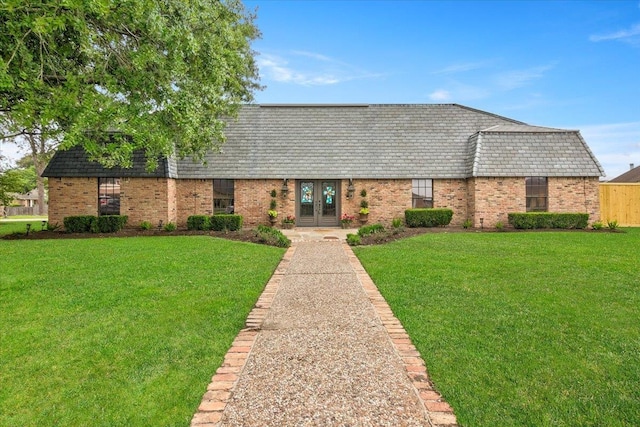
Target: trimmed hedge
<point>94,224</point>
<point>198,222</point>
<point>272,236</point>
<point>427,217</point>
<point>111,223</point>
<point>533,220</point>
<point>222,222</point>
<point>81,224</point>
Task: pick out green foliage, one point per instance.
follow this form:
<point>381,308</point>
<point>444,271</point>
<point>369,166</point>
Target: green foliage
<point>52,227</point>
<point>165,74</point>
<point>428,217</point>
<point>364,204</point>
<point>367,230</point>
<point>273,193</point>
<point>521,329</point>
<point>111,223</point>
<point>533,220</point>
<point>226,222</point>
<point>272,237</point>
<point>272,213</point>
<point>499,226</point>
<point>81,224</point>
<point>612,224</point>
<point>363,193</point>
<point>198,222</point>
<point>396,222</point>
<point>467,224</point>
<point>353,239</point>
<point>18,180</point>
<point>273,204</point>
<point>169,227</point>
<point>597,225</point>
<point>101,317</point>
<point>145,225</point>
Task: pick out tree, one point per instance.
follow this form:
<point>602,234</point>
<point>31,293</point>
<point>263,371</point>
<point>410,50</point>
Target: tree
<point>119,75</point>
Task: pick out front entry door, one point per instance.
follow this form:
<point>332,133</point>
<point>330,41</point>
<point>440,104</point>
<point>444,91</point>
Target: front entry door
<point>318,203</point>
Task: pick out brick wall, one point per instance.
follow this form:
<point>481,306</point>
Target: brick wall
<point>72,196</point>
<point>147,199</point>
<point>193,197</point>
<point>252,199</point>
<point>451,194</point>
<point>494,198</point>
<point>575,195</point>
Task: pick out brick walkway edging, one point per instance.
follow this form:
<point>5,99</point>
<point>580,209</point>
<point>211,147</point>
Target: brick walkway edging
<point>438,410</point>
<point>219,390</point>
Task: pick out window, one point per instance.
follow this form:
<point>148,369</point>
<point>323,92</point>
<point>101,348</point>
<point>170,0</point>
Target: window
<point>537,193</point>
<point>222,196</point>
<point>422,193</point>
<point>108,196</point>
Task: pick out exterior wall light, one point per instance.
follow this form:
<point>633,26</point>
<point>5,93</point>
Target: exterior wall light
<point>481,222</point>
<point>285,187</point>
<point>350,189</point>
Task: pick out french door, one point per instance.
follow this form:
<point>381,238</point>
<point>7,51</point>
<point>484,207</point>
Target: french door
<point>318,203</point>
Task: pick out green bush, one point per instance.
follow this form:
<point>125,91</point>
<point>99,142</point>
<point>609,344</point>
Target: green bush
<point>111,223</point>
<point>499,226</point>
<point>226,222</point>
<point>353,239</point>
<point>272,237</point>
<point>612,224</point>
<point>534,220</point>
<point>198,222</point>
<point>597,225</point>
<point>467,223</point>
<point>170,227</point>
<point>81,224</point>
<point>367,230</point>
<point>428,217</point>
<point>396,222</point>
<point>145,225</point>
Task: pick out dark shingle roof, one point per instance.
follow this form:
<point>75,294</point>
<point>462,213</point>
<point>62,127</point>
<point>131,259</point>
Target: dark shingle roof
<point>376,141</point>
<point>632,175</point>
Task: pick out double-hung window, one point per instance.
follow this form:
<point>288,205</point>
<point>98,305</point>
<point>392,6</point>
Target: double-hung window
<point>109,196</point>
<point>223,196</point>
<point>422,193</point>
<point>537,193</point>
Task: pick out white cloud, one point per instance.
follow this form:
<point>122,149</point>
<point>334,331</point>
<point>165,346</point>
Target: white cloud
<point>440,95</point>
<point>510,80</point>
<point>631,35</point>
<point>308,69</point>
<point>460,68</point>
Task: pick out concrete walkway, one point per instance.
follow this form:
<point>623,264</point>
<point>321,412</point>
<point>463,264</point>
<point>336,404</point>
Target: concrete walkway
<point>322,348</point>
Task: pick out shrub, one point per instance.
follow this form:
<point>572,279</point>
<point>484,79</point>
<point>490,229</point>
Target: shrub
<point>467,224</point>
<point>81,224</point>
<point>499,226</point>
<point>226,222</point>
<point>111,223</point>
<point>198,222</point>
<point>272,236</point>
<point>368,230</point>
<point>170,227</point>
<point>52,227</point>
<point>145,225</point>
<point>533,220</point>
<point>353,239</point>
<point>597,225</point>
<point>612,224</point>
<point>396,222</point>
<point>427,217</point>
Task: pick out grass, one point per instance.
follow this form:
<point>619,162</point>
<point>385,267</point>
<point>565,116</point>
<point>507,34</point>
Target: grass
<point>120,331</point>
<point>522,329</point>
<point>10,227</point>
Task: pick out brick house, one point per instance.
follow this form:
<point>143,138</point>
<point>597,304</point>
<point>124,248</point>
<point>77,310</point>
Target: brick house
<point>318,159</point>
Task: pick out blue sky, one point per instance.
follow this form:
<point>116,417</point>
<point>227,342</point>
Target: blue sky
<point>560,64</point>
<point>569,64</point>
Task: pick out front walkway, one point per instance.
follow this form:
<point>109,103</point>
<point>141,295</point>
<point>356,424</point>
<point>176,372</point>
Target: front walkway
<point>322,348</point>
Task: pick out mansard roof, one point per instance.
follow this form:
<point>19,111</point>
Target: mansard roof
<point>369,141</point>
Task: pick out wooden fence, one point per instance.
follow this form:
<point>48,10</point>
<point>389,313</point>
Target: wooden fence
<point>620,202</point>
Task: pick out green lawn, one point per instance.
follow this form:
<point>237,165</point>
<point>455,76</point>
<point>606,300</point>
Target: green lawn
<point>10,227</point>
<point>120,331</point>
<point>522,329</point>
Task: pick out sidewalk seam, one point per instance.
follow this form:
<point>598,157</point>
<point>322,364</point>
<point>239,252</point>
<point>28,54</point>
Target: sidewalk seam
<point>220,389</point>
<point>438,411</point>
